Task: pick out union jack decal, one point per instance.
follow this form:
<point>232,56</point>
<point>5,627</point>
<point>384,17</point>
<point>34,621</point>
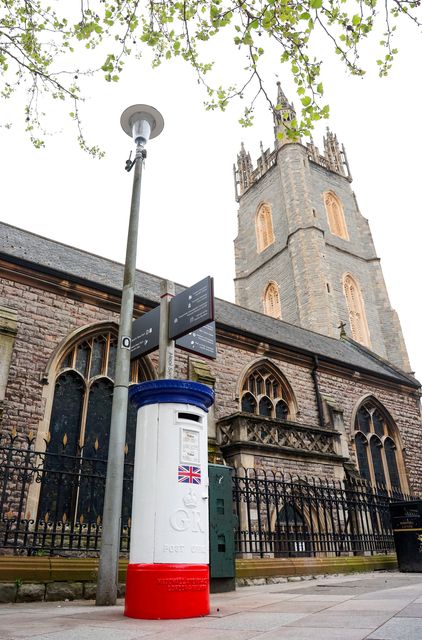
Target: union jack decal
<point>189,475</point>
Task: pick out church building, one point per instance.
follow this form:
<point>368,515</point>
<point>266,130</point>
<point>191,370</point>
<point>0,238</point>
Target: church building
<point>311,377</point>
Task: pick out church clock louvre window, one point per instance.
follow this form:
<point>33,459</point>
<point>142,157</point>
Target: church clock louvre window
<point>272,306</point>
<point>264,393</point>
<point>378,453</point>
<point>264,227</point>
<point>335,215</point>
<point>73,480</point>
<point>356,309</point>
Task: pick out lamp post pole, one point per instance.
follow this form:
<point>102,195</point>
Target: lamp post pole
<point>142,122</point>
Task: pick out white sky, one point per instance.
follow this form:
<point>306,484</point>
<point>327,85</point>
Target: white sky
<point>188,212</point>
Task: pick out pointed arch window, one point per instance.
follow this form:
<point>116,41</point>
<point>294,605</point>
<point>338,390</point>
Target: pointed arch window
<point>356,309</point>
<point>264,227</point>
<point>73,480</point>
<point>265,393</point>
<point>335,215</point>
<point>272,306</point>
<point>378,453</point>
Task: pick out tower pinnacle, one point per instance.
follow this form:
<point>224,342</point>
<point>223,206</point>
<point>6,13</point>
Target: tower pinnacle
<point>284,113</point>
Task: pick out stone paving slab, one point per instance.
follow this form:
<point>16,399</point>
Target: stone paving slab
<point>389,605</point>
<point>399,629</point>
<point>252,621</point>
<point>294,606</point>
<point>411,611</point>
<point>88,633</point>
<point>346,620</point>
<point>318,597</point>
<point>315,633</point>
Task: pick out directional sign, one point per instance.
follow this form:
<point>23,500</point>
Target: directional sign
<point>201,341</point>
<point>145,333</point>
<point>192,308</point>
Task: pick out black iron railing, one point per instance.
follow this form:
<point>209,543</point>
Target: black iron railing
<point>51,504</point>
<point>285,516</point>
<point>51,501</point>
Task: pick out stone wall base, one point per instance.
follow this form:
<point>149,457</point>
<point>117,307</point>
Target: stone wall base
<point>64,579</point>
<point>289,568</point>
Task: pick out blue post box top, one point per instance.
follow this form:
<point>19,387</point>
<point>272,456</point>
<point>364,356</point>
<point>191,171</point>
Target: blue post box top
<point>176,391</point>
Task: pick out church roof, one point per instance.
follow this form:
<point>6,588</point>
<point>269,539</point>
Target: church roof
<point>49,256</point>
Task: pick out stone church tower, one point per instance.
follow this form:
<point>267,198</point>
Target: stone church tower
<point>304,253</point>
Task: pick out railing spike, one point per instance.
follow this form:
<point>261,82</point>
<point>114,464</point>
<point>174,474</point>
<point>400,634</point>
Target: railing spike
<point>65,440</point>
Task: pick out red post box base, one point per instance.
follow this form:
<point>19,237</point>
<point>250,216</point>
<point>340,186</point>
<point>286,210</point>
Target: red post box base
<point>165,591</point>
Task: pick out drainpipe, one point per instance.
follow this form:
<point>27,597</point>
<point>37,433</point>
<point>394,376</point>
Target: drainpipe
<point>317,392</point>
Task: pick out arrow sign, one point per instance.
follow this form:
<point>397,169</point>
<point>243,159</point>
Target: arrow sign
<point>201,341</point>
<point>192,309</point>
<point>145,333</point>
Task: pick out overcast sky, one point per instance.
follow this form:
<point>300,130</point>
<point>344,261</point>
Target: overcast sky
<point>188,212</point>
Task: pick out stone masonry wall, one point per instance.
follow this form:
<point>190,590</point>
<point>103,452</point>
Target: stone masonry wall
<point>44,319</point>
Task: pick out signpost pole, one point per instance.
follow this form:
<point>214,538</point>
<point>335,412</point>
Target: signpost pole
<point>166,366</point>
<point>141,122</point>
<point>110,542</point>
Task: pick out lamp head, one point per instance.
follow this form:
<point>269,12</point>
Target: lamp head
<point>142,123</point>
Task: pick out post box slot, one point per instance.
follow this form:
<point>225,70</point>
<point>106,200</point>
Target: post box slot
<point>193,417</point>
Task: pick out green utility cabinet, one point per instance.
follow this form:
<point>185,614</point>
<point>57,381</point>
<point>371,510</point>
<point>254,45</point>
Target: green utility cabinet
<point>222,524</point>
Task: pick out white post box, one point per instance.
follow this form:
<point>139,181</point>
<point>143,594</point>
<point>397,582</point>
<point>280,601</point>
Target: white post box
<point>168,573</point>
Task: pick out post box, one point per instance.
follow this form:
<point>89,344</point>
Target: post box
<point>168,574</point>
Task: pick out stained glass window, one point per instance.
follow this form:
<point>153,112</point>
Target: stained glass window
<point>376,446</point>
<point>264,393</point>
<point>362,456</point>
<point>79,430</point>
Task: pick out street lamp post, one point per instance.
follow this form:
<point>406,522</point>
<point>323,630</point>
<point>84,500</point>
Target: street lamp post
<point>142,123</point>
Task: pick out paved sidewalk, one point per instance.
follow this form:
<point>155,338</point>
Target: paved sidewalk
<point>375,606</point>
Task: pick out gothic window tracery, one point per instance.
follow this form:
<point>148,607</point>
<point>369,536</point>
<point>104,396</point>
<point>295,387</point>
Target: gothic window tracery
<point>264,393</point>
<point>378,452</point>
<point>335,215</point>
<point>272,306</point>
<point>264,227</point>
<point>79,430</point>
<point>356,309</point>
